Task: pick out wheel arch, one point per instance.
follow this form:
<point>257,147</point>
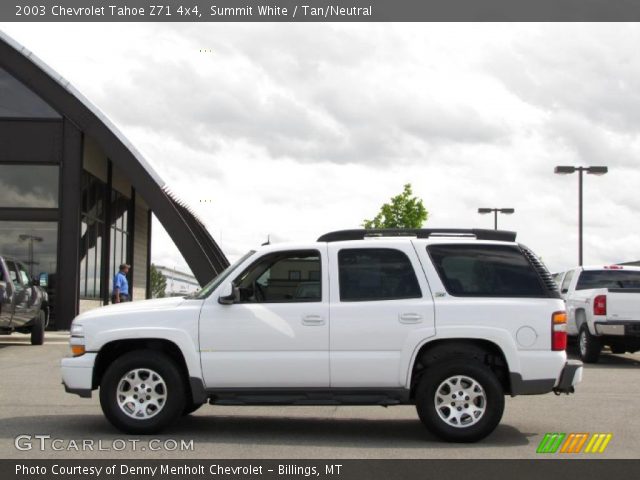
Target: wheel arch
<point>116,348</point>
<point>486,351</point>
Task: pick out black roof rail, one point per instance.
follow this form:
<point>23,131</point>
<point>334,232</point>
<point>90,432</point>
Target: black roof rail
<point>361,234</point>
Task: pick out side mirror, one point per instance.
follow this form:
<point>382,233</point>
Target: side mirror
<point>35,282</point>
<point>229,294</point>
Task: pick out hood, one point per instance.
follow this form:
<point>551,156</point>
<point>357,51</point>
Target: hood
<point>132,307</point>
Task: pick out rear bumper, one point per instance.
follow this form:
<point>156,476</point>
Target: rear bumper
<point>621,328</point>
<point>571,375</point>
<point>77,374</point>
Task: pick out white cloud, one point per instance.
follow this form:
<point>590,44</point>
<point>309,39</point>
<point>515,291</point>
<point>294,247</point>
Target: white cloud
<point>293,130</point>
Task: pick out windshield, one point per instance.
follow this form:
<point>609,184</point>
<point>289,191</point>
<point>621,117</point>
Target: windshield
<point>213,284</point>
<point>608,279</point>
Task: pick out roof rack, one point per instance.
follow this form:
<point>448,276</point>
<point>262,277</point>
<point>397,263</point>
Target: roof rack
<point>361,234</point>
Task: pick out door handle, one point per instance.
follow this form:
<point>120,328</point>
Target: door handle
<point>312,320</point>
<point>410,318</point>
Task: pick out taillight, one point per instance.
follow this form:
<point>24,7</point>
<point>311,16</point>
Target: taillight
<point>600,305</point>
<point>559,331</point>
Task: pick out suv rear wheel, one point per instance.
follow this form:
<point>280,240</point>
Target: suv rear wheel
<point>142,392</point>
<point>588,346</point>
<point>459,400</point>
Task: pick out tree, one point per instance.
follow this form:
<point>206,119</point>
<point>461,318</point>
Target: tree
<point>158,283</point>
<point>402,211</point>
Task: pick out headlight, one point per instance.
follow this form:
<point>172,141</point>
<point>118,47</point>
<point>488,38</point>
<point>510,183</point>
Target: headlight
<point>77,340</point>
<point>77,330</point>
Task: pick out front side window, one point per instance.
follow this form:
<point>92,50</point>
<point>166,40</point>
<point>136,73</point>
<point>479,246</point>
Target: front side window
<point>485,271</point>
<point>368,274</point>
<point>270,279</point>
<point>566,282</point>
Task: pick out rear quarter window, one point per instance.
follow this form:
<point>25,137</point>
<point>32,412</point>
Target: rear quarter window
<point>485,271</point>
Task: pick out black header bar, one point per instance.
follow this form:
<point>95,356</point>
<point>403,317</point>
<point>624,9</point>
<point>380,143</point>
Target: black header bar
<point>319,10</point>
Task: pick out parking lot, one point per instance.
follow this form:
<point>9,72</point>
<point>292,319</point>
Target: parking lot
<point>33,402</point>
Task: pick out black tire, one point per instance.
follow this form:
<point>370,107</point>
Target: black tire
<point>37,329</point>
<point>143,361</point>
<point>589,346</point>
<point>191,407</point>
<point>434,377</point>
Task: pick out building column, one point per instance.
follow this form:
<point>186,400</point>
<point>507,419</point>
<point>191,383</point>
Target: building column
<point>68,277</point>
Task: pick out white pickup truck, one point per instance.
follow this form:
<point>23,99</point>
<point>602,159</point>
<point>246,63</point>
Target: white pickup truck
<point>603,306</point>
<point>447,320</point>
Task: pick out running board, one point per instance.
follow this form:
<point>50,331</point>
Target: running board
<point>337,396</point>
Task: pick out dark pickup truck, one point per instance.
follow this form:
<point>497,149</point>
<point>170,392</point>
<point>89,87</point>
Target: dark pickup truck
<point>24,305</point>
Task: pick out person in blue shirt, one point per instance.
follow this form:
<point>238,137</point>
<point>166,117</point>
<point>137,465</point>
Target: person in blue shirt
<point>121,285</point>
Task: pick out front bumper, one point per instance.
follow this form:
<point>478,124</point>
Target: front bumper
<point>570,376</point>
<point>77,374</point>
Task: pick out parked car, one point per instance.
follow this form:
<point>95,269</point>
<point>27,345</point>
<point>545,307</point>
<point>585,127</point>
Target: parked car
<point>603,305</point>
<point>24,305</point>
<point>447,320</point>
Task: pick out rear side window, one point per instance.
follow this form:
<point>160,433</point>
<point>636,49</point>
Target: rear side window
<point>368,274</point>
<point>608,279</point>
<point>485,271</point>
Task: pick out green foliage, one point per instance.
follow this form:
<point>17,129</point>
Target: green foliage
<point>158,283</point>
<point>402,211</point>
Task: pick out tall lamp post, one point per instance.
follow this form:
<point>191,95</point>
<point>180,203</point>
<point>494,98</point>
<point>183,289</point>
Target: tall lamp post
<point>565,170</point>
<point>30,238</point>
<point>495,211</point>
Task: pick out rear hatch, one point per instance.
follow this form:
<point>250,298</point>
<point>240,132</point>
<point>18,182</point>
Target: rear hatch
<point>623,304</point>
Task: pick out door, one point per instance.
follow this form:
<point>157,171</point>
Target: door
<point>276,335</point>
<point>6,297</point>
<point>381,308</point>
<point>21,295</point>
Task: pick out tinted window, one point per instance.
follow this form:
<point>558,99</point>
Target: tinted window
<point>608,279</point>
<point>485,271</point>
<point>566,282</point>
<point>376,274</point>
<point>282,277</point>
<point>16,100</point>
<point>32,186</point>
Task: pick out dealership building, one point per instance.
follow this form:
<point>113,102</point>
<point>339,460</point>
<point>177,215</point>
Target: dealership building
<point>76,198</point>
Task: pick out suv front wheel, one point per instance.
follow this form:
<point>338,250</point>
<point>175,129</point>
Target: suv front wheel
<point>460,401</point>
<point>142,392</point>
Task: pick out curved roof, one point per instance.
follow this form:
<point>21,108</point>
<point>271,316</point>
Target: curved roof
<point>199,249</point>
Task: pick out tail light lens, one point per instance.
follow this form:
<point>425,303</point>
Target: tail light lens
<point>559,331</point>
<point>600,305</point>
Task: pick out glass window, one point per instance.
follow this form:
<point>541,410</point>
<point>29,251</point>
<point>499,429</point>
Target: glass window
<point>29,186</point>
<point>485,271</point>
<point>92,231</point>
<point>608,279</point>
<point>35,244</point>
<point>268,279</point>
<point>213,284</point>
<point>567,281</point>
<point>376,274</point>
<point>17,101</point>
<point>119,231</point>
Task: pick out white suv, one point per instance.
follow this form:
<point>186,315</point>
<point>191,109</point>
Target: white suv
<point>447,320</point>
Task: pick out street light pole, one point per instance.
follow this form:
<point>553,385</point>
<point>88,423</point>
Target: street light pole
<point>565,170</point>
<point>506,211</point>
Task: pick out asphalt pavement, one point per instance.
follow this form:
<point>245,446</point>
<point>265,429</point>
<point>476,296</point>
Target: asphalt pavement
<point>39,420</point>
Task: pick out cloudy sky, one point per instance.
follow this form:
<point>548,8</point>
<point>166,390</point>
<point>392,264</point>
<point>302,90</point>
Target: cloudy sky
<point>296,129</point>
